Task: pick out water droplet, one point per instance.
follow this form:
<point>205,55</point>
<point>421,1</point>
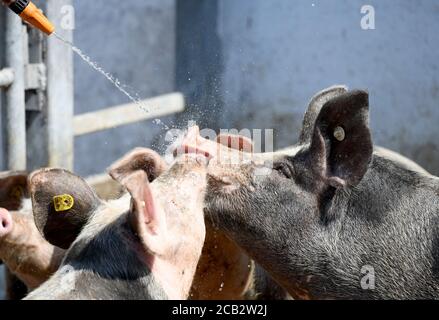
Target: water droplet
<point>134,97</point>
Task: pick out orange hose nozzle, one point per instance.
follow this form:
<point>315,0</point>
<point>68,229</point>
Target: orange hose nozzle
<point>36,18</point>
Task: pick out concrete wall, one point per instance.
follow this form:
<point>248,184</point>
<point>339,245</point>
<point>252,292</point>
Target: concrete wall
<point>135,41</point>
<point>278,53</point>
<point>256,63</point>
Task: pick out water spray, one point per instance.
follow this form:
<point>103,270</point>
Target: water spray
<point>29,12</point>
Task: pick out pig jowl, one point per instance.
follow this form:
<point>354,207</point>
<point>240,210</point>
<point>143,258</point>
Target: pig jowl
<point>145,245</point>
<point>27,255</point>
<point>331,219</point>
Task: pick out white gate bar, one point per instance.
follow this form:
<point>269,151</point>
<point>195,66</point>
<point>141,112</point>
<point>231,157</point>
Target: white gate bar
<point>129,113</point>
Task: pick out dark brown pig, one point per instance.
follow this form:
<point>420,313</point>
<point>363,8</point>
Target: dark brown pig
<point>27,255</point>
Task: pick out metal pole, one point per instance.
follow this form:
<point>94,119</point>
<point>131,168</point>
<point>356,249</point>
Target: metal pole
<point>15,113</point>
<point>59,91</point>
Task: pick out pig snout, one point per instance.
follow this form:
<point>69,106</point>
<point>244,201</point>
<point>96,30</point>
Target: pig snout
<point>233,150</point>
<point>194,143</point>
<point>5,222</point>
<point>231,158</point>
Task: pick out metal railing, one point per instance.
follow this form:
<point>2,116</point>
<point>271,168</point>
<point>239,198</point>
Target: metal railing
<point>38,86</point>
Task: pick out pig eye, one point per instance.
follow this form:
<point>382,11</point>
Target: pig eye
<point>284,169</point>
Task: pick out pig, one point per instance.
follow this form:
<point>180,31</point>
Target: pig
<point>223,273</point>
<point>331,219</point>
<point>13,196</point>
<point>25,252</point>
<point>145,245</point>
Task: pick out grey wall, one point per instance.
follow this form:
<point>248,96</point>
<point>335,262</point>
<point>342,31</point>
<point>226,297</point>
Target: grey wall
<point>278,53</point>
<point>135,41</point>
<point>199,62</point>
<point>256,63</point>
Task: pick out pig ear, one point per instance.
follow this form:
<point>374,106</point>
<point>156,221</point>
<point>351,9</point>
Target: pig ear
<point>314,108</point>
<point>13,189</point>
<point>139,159</point>
<point>236,142</point>
<point>62,203</point>
<point>341,147</point>
<point>144,216</point>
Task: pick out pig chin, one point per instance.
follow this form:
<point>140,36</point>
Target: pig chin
<point>225,192</point>
<point>227,178</point>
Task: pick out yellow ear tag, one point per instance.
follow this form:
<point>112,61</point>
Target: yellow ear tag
<point>63,202</point>
<point>17,193</point>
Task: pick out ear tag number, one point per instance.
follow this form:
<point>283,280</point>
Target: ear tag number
<point>63,202</point>
<point>339,133</point>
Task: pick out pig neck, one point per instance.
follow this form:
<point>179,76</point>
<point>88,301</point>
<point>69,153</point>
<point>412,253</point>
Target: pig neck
<point>105,262</point>
<point>175,272</point>
<point>32,266</point>
<point>175,280</point>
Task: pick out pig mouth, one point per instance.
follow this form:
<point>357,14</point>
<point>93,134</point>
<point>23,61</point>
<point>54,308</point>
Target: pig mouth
<point>194,143</point>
